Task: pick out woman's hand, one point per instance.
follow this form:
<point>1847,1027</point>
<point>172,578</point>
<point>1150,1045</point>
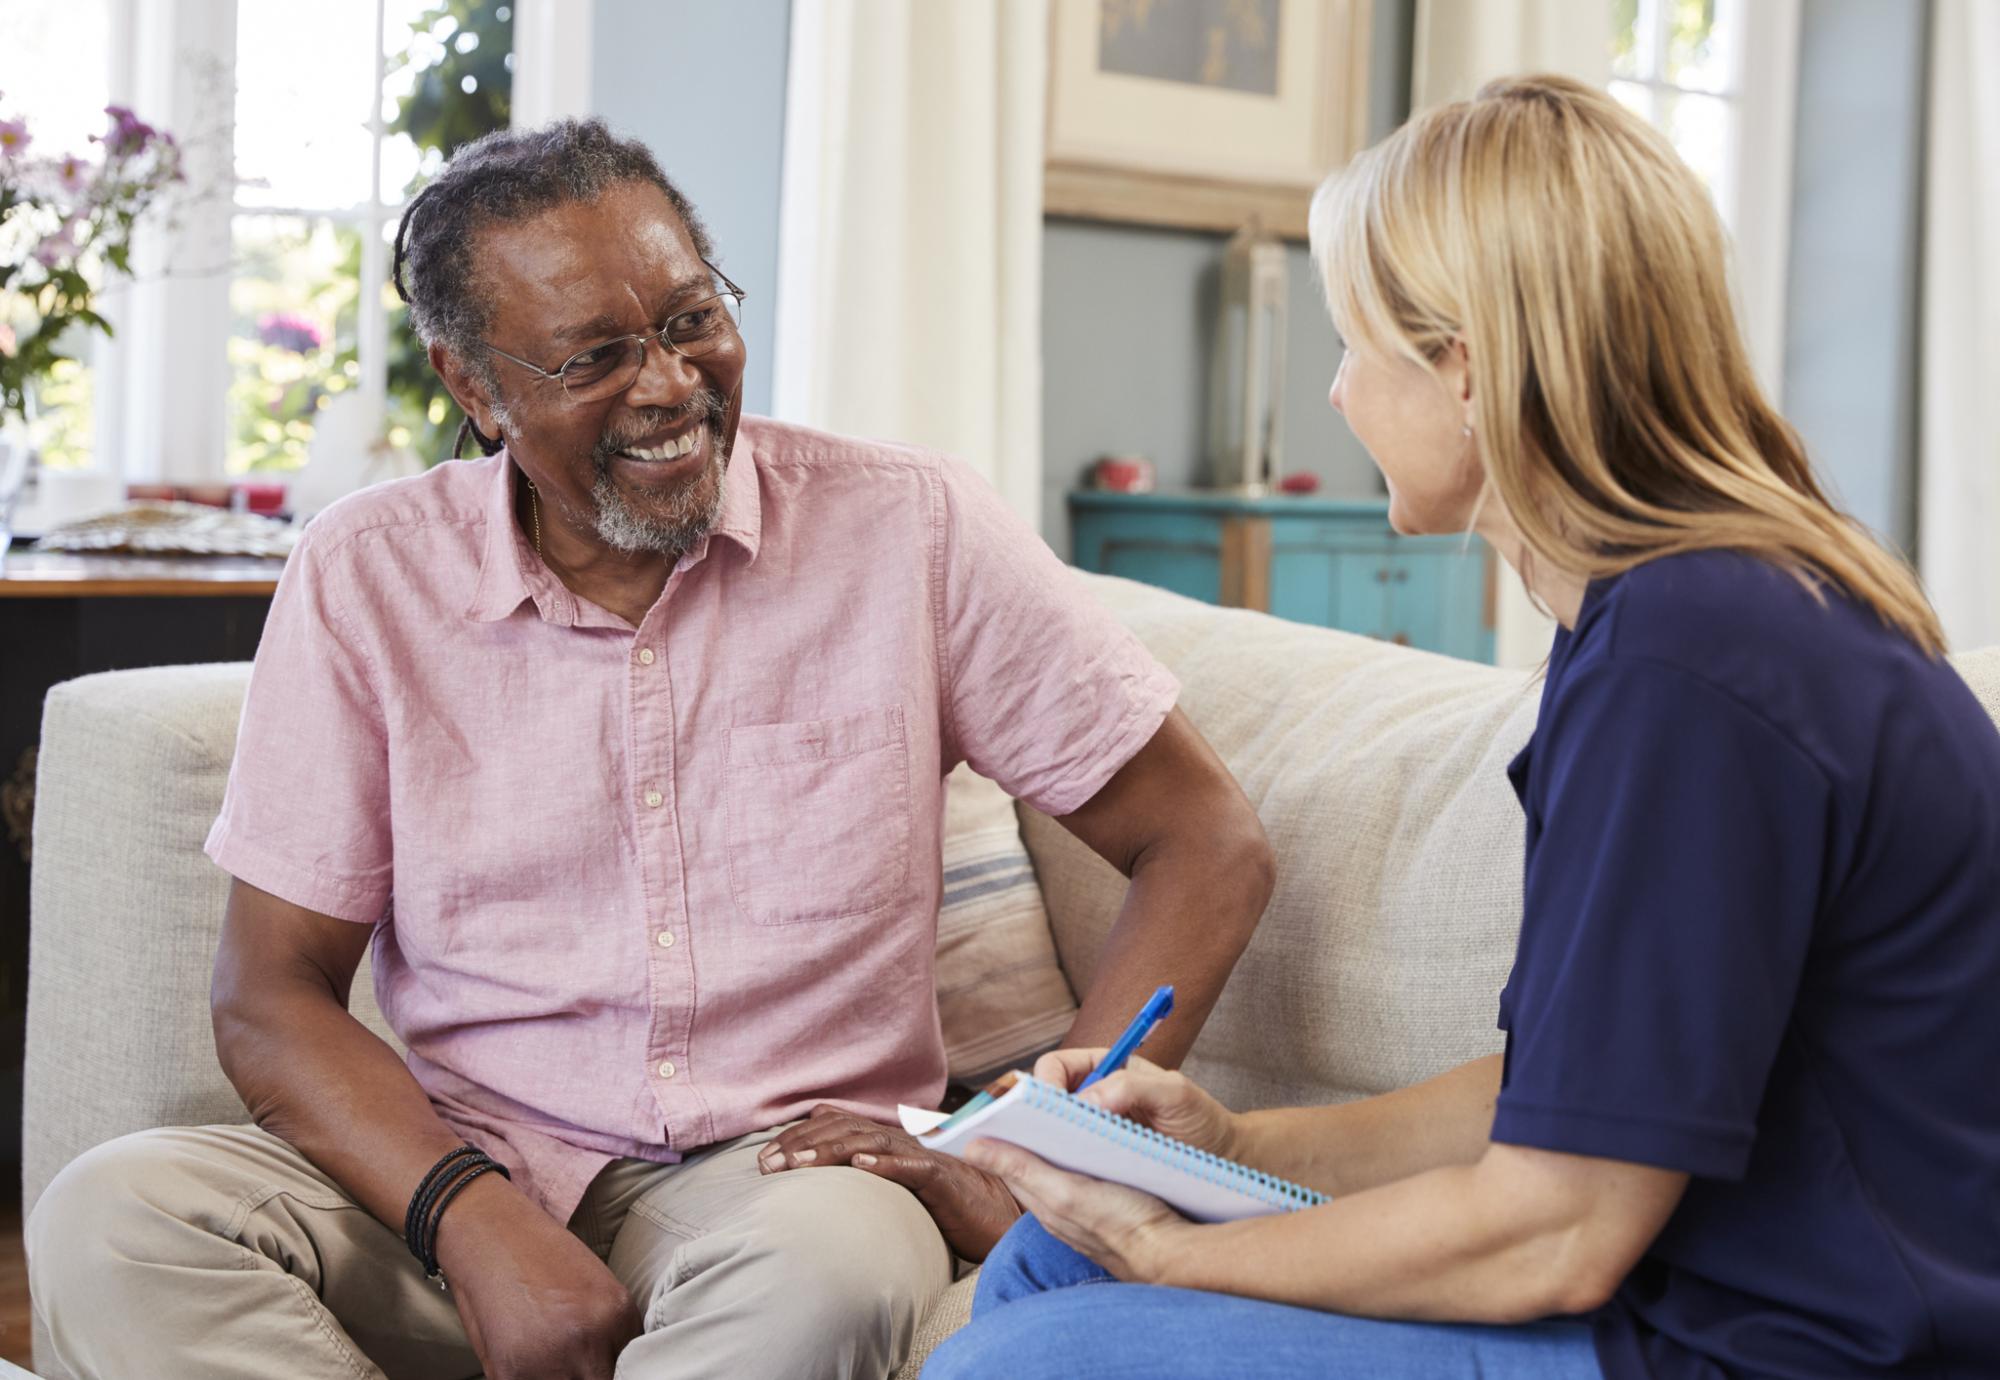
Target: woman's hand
<point>1132,1234</point>
<point>1144,1092</point>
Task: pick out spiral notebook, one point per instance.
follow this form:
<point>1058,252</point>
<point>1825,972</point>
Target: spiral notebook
<point>1079,1136</point>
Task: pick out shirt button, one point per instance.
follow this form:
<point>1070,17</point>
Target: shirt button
<point>653,799</point>
<point>666,939</point>
<point>667,1069</point>
<point>645,656</point>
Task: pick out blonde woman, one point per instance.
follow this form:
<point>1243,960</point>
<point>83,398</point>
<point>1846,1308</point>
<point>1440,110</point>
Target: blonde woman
<point>1748,1120</point>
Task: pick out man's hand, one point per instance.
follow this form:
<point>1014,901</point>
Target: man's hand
<point>536,1303</point>
<point>971,1208</point>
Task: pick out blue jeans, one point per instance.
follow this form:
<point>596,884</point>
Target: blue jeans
<point>1030,1318</point>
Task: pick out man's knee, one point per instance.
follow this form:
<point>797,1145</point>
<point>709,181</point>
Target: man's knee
<point>844,1251</point>
<point>102,1213</point>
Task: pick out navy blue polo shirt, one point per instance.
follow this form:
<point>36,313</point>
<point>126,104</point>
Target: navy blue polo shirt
<point>1761,945</point>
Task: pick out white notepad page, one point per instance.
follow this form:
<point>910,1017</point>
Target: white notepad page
<point>1085,1139</point>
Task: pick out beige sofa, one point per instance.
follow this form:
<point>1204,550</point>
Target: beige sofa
<point>1378,772</point>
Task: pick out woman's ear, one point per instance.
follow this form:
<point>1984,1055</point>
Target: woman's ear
<point>1460,357</point>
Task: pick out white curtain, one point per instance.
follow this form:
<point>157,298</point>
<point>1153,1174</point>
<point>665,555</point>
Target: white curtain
<point>910,238</point>
<point>1461,44</point>
<point>1958,474</point>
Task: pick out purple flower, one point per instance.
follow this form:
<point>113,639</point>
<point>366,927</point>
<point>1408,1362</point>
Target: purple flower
<point>56,248</point>
<point>73,172</point>
<point>14,138</point>
<point>289,331</point>
<point>129,134</point>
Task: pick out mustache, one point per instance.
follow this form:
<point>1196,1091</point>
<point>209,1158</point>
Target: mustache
<point>706,405</point>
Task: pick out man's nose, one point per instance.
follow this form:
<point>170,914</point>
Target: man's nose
<point>666,378</point>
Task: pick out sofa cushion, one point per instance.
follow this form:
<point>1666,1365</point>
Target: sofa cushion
<point>1379,773</point>
<point>1001,994</point>
<point>1981,670</point>
<point>125,912</point>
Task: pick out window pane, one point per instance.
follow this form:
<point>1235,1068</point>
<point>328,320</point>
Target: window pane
<point>57,79</point>
<point>1635,98</point>
<point>303,78</point>
<point>291,346</point>
<point>1625,38</point>
<point>57,72</point>
<point>1697,35</point>
<point>1698,126</point>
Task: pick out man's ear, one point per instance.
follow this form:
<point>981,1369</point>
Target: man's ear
<point>466,390</point>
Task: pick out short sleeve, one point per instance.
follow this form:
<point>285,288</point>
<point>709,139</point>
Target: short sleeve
<point>306,812</point>
<point>1046,693</point>
<point>1671,889</point>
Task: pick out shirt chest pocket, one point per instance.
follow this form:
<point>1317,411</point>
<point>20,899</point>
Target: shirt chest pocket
<point>819,817</point>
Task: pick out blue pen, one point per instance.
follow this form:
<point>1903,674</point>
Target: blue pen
<point>1151,1014</point>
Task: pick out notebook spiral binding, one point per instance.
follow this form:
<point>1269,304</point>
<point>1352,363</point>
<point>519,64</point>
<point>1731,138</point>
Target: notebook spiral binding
<point>1240,1178</point>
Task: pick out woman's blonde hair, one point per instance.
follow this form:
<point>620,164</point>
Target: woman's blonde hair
<point>1583,264</point>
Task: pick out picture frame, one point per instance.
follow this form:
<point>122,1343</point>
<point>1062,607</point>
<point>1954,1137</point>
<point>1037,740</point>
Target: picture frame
<point>1200,114</point>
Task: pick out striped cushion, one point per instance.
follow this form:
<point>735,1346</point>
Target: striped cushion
<point>1001,993</point>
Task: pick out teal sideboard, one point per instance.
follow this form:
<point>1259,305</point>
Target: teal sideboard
<point>1335,563</point>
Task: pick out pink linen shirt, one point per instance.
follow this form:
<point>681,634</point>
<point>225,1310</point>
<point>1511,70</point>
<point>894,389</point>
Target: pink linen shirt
<point>636,891</point>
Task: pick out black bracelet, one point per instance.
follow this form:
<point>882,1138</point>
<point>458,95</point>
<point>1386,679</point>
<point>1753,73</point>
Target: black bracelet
<point>479,1167</point>
<point>413,1216</point>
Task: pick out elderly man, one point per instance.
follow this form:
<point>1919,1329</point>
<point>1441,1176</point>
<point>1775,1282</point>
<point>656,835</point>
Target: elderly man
<point>623,748</point>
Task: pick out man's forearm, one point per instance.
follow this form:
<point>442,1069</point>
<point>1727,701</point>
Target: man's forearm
<point>1192,907</point>
<point>316,1077</point>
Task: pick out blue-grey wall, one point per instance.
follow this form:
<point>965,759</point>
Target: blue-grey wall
<point>1851,316</point>
<point>1128,319</point>
<point>704,85</point>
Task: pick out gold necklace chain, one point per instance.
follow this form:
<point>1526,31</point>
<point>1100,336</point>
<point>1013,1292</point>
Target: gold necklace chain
<point>535,516</point>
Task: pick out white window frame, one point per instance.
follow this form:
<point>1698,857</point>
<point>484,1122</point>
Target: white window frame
<point>162,382</point>
<point>1760,92</point>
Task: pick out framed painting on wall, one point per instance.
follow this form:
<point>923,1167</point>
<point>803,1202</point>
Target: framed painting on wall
<point>1202,113</point>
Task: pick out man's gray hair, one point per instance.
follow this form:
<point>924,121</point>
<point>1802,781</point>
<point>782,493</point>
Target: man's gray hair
<point>508,176</point>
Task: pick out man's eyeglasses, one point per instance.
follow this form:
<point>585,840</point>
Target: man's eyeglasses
<point>610,368</point>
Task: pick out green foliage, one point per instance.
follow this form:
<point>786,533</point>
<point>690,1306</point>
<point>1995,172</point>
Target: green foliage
<point>439,115</point>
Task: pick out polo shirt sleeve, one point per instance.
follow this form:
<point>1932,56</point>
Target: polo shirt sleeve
<point>306,812</point>
<point>1669,905</point>
<point>1045,692</point>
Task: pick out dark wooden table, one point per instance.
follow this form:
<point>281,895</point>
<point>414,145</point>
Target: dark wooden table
<point>64,616</point>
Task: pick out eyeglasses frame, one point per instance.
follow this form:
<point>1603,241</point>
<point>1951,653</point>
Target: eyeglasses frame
<point>729,289</point>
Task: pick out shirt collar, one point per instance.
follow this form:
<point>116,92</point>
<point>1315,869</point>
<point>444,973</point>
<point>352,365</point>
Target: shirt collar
<point>742,515</point>
<point>510,571</point>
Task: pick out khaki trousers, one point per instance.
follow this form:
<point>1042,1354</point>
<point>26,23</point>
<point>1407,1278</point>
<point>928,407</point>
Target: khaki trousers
<point>219,1252</point>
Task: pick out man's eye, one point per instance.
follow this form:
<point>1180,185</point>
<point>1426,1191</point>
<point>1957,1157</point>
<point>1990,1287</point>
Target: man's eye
<point>594,359</point>
<point>694,322</point>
